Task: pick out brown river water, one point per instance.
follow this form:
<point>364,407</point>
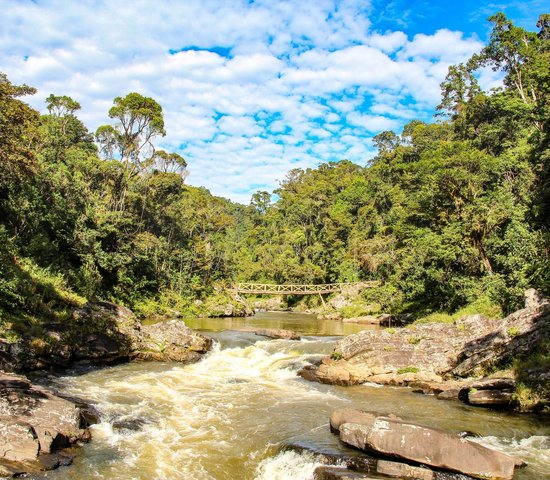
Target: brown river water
<point>226,417</point>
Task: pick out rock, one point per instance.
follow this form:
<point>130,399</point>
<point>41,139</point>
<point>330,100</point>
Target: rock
<point>402,470</point>
<point>171,340</point>
<point>428,446</point>
<point>277,333</point>
<point>365,319</point>
<point>117,323</point>
<point>338,473</point>
<point>350,415</point>
<point>130,424</point>
<point>432,352</point>
<point>34,423</point>
<point>224,305</point>
<point>451,394</point>
<point>490,398</point>
<point>106,333</point>
<point>493,384</point>
<point>367,464</point>
<point>353,460</point>
<point>439,387</point>
<point>337,302</point>
<point>534,299</point>
<point>271,304</point>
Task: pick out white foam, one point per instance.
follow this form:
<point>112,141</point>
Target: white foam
<point>287,466</point>
<point>534,450</point>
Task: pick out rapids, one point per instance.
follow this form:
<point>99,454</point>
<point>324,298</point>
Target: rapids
<point>227,416</point>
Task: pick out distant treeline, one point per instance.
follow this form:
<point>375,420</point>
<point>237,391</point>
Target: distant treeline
<point>446,213</point>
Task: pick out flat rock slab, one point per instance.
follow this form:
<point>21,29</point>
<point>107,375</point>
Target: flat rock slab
<point>428,446</point>
<point>171,341</point>
<point>404,471</point>
<point>275,333</point>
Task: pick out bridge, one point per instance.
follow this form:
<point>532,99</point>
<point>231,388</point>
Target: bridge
<point>298,289</point>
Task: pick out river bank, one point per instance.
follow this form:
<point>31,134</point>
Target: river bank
<point>449,359</point>
<point>240,361</point>
<point>207,420</point>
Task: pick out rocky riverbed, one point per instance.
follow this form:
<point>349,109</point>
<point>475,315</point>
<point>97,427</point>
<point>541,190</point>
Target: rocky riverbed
<point>251,374</point>
<point>439,358</point>
<point>37,425</point>
<point>396,448</point>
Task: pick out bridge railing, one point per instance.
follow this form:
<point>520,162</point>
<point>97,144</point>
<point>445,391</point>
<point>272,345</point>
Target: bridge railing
<point>297,289</point>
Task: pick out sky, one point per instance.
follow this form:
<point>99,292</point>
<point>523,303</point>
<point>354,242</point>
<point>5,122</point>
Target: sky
<point>252,89</point>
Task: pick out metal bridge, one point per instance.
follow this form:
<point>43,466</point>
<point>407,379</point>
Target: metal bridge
<point>298,289</point>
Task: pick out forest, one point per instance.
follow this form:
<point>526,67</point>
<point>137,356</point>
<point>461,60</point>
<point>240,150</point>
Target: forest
<point>448,214</point>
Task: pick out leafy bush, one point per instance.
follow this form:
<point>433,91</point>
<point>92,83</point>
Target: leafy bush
<point>403,370</point>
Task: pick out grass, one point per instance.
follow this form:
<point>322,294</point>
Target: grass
<point>482,306</point>
<point>45,296</point>
<point>532,392</point>
<point>360,309</point>
<point>403,370</point>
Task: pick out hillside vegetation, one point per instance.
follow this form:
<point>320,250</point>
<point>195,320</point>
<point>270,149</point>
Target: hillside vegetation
<point>447,214</point>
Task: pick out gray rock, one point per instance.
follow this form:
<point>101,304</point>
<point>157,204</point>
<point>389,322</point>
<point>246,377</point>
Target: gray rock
<point>428,446</point>
<point>431,352</point>
<point>34,422</point>
<point>338,473</point>
<point>490,398</point>
<point>171,341</point>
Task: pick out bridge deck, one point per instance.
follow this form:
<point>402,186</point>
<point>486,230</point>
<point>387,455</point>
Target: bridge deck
<point>297,289</point>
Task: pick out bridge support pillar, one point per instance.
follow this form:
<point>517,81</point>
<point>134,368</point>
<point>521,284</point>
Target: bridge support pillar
<point>323,300</point>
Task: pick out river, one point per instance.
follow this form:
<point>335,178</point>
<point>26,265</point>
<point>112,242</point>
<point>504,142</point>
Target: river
<point>227,416</point>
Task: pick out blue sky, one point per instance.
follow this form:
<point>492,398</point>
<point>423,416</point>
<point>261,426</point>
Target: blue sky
<point>251,89</point>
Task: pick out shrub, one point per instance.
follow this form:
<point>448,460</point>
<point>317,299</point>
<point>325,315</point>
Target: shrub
<point>403,370</point>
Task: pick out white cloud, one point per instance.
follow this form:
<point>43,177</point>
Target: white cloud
<point>246,85</point>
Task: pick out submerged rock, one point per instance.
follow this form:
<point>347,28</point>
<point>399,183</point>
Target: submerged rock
<point>36,425</point>
<point>276,333</point>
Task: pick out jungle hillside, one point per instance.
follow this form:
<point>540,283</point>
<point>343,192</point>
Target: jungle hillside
<point>448,214</point>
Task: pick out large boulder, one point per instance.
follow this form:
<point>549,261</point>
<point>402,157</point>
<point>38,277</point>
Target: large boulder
<point>36,425</point>
<point>103,333</point>
<point>433,352</point>
<point>428,446</point>
<point>361,463</point>
<point>171,341</point>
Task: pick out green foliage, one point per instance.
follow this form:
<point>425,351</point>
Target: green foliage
<point>482,306</point>
<point>450,217</point>
<point>359,308</point>
<point>403,370</point>
<point>336,355</point>
<point>513,331</point>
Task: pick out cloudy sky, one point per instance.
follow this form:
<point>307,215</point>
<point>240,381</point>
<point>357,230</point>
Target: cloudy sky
<point>251,89</point>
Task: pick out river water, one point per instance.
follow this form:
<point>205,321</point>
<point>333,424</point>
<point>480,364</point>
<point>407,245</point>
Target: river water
<point>227,416</point>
